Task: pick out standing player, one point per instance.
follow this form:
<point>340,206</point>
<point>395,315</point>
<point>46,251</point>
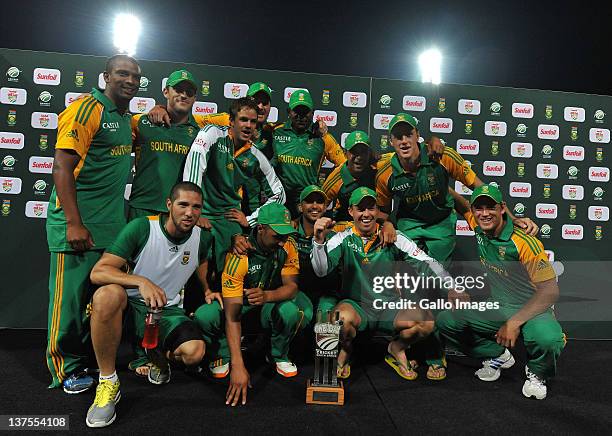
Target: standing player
<point>361,245</point>
<point>86,212</point>
<point>221,159</point>
<point>160,151</point>
<point>524,286</point>
<point>164,251</point>
<point>299,152</point>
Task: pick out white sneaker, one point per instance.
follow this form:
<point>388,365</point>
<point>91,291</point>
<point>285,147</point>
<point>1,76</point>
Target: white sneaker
<point>491,369</point>
<point>286,369</point>
<point>219,369</point>
<point>534,386</point>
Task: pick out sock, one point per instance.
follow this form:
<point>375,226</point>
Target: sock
<point>112,377</point>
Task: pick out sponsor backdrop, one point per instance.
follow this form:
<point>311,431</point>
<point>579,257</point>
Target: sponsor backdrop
<point>548,152</point>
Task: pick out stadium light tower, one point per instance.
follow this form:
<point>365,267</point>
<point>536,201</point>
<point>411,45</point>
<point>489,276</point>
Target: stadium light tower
<point>430,62</point>
<point>125,33</point>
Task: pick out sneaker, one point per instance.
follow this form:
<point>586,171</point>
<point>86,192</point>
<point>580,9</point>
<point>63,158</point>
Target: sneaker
<point>78,382</point>
<point>534,386</point>
<point>219,369</point>
<point>491,369</point>
<point>286,369</point>
<point>159,371</point>
<point>102,412</point>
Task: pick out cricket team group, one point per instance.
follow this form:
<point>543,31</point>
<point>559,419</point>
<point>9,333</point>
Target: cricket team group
<point>234,204</point>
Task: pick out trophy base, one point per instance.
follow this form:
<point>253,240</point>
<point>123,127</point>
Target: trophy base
<point>330,395</point>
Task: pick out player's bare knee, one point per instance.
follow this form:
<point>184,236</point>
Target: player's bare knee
<point>109,299</point>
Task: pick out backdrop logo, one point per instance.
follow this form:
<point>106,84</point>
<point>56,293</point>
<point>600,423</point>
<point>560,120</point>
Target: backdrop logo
<point>13,74</point>
<point>598,193</point>
<point>576,114</point>
<point>273,115</point>
<point>10,185</point>
<point>415,103</point>
<point>468,107</point>
<point>40,164</point>
<point>573,152</point>
<point>522,110</point>
<point>599,174</point>
<point>385,101</point>
<point>572,192</point>
<point>495,128</point>
<point>547,171</point>
<point>70,97</point>
<point>572,232</point>
<point>546,210</point>
<point>287,93</point>
<point>204,108</point>
<point>79,79</point>
<point>521,149</point>
<point>144,83</point>
<point>40,186</point>
<point>141,105</point>
<point>354,99</point>
<point>599,213</point>
<point>462,189</point>
<point>36,209</point>
<point>15,96</point>
<point>494,168</point>
<point>599,116</point>
<point>462,228</point>
<point>235,90</point>
<point>329,117</point>
<point>46,76</point>
<point>548,131</point>
<point>599,135</point>
<point>441,125</point>
<point>8,162</point>
<point>44,120</point>
<point>45,98</point>
<point>468,146</point>
<point>521,129</point>
<point>381,121</point>
<point>519,209</point>
<point>13,141</point>
<point>495,108</point>
<point>518,189</point>
<point>545,230</point>
<point>572,172</point>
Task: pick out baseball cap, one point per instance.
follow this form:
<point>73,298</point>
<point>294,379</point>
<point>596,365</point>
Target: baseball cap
<point>361,193</point>
<point>356,137</point>
<point>300,97</point>
<point>309,190</point>
<point>179,76</point>
<point>277,217</point>
<point>403,118</point>
<point>257,87</point>
<point>490,191</point>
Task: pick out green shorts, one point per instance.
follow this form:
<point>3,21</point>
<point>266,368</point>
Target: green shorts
<point>172,318</point>
<point>380,321</point>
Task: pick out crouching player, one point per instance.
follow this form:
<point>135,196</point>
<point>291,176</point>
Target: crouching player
<point>163,252</point>
<point>523,284</point>
<point>351,249</point>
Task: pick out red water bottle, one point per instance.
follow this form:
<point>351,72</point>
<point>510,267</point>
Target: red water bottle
<point>151,333</point>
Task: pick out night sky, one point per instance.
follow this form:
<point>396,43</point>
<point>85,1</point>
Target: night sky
<point>563,46</point>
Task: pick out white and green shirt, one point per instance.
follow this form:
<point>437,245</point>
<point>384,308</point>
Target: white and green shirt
<point>154,254</point>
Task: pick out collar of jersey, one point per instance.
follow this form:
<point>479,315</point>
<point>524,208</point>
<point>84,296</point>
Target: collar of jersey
<point>505,234</point>
<point>106,102</point>
<point>297,224</point>
<point>371,241</point>
<point>163,217</point>
<point>242,149</point>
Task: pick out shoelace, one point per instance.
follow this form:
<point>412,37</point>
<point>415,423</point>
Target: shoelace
<point>493,363</point>
<point>105,392</point>
<point>534,378</point>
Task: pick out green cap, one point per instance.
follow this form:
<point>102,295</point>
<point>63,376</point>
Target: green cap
<point>277,217</point>
<point>257,87</point>
<point>403,118</point>
<point>361,193</point>
<point>309,190</point>
<point>300,97</point>
<point>356,137</point>
<point>490,191</point>
<point>179,76</point>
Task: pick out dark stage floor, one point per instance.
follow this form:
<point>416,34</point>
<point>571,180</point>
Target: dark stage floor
<point>377,400</point>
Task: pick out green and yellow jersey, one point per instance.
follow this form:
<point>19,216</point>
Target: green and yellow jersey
<point>93,127</point>
<point>514,262</point>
